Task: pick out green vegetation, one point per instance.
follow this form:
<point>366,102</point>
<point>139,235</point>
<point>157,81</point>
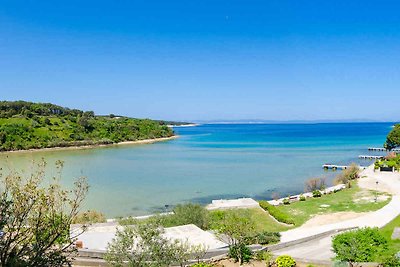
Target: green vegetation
<point>206,220</point>
<point>362,245</point>
<point>347,175</point>
<point>90,216</point>
<point>276,212</point>
<point>344,200</point>
<point>35,218</point>
<point>26,125</point>
<point>155,250</point>
<point>393,138</point>
<point>285,261</point>
<point>390,161</point>
<point>260,219</point>
<point>387,231</point>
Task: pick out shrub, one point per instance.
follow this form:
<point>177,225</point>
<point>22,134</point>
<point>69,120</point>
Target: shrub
<point>363,245</point>
<point>191,214</point>
<point>313,184</point>
<point>351,173</point>
<point>285,261</point>
<point>286,201</point>
<point>302,198</point>
<point>316,193</point>
<point>391,261</point>
<point>240,251</point>
<point>265,238</point>
<point>90,216</point>
<point>275,212</point>
<point>263,255</point>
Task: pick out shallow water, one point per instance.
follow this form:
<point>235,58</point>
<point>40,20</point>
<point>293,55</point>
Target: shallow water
<point>210,162</point>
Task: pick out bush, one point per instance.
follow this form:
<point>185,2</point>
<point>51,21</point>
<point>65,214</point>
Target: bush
<point>275,212</point>
<point>191,214</point>
<point>286,201</point>
<point>265,238</point>
<point>285,261</point>
<point>316,193</point>
<point>90,216</point>
<point>363,245</point>
<point>302,198</point>
<point>392,261</point>
<point>351,173</point>
<point>263,255</point>
<point>240,251</point>
<point>315,184</point>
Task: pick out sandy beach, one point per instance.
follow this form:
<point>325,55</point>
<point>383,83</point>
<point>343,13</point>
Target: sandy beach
<point>137,142</point>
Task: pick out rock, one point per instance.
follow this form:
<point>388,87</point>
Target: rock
<point>324,206</point>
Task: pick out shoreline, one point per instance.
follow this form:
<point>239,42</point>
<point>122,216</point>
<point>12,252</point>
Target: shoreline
<point>137,142</point>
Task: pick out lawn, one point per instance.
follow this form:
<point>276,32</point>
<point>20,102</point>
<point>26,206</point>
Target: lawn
<point>394,245</point>
<point>263,222</point>
<point>343,201</point>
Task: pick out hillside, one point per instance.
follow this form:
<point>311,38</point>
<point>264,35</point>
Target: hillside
<point>27,125</point>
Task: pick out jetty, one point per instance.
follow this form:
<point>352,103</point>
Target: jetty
<point>370,157</point>
<point>339,167</point>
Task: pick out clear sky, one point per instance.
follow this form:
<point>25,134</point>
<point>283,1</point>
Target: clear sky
<point>205,59</point>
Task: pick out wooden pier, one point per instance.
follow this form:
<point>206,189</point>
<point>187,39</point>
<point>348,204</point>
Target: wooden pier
<point>370,157</point>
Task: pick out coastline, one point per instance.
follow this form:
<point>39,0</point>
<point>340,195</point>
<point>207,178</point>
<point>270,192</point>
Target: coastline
<point>137,142</point>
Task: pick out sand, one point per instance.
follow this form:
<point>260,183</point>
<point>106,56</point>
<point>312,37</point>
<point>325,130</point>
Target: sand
<point>137,142</point>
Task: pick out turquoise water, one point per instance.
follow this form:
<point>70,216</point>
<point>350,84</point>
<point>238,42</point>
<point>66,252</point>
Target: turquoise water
<point>211,162</point>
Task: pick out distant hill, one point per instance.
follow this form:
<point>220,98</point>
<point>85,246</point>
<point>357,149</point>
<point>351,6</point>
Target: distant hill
<point>27,125</point>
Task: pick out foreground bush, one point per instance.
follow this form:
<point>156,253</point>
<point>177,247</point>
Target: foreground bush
<point>285,261</point>
<point>363,245</point>
<point>240,253</point>
<point>35,218</point>
<point>275,212</point>
<point>391,261</point>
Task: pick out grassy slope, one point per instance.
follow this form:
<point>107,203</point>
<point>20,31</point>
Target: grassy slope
<point>263,222</point>
<point>302,211</point>
<point>394,245</point>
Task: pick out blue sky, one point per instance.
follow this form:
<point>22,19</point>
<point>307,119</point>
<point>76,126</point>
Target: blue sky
<point>205,60</point>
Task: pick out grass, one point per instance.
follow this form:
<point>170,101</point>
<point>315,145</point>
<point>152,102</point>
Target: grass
<point>342,201</point>
<point>263,222</point>
<point>394,245</point>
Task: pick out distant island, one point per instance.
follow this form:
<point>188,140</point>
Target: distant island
<point>26,125</point>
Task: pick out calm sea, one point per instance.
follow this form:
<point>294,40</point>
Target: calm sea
<point>210,162</point>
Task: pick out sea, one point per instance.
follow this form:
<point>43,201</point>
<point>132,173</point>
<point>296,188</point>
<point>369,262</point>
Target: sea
<point>207,162</point>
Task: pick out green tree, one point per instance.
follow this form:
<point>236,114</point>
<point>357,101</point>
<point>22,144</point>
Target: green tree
<point>191,214</point>
<point>142,245</point>
<point>363,245</point>
<point>235,229</point>
<point>35,219</point>
<point>393,138</point>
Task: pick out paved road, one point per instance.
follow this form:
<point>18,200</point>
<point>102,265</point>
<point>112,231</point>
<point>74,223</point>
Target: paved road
<point>315,250</point>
